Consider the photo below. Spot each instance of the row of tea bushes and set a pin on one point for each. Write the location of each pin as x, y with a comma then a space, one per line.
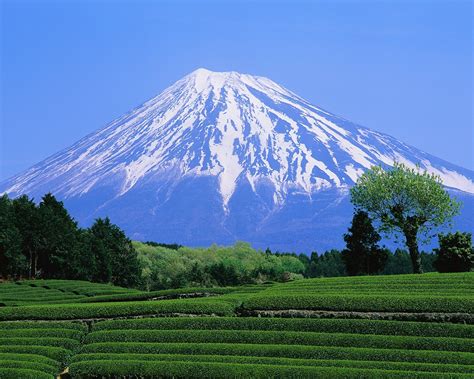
356, 326
259, 347
37, 349
207, 306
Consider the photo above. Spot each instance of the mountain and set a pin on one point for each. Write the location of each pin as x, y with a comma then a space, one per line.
223, 156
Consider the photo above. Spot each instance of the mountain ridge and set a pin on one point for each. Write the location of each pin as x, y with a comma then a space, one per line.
248, 144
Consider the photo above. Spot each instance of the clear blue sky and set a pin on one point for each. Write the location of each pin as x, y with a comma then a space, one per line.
70, 67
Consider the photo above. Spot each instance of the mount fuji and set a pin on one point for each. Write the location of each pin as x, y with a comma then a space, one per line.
224, 156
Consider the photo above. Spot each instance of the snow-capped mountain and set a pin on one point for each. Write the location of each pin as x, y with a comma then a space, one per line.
221, 156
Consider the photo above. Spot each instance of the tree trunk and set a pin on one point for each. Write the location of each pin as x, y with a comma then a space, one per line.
412, 244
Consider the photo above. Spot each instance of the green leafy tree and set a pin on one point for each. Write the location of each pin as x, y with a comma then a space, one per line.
27, 221
12, 261
404, 200
363, 254
455, 253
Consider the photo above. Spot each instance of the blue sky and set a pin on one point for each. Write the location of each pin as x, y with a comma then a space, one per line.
70, 67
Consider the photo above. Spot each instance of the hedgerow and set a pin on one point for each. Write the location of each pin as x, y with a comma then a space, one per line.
59, 354
157, 294
84, 311
286, 351
29, 358
284, 337
67, 343
58, 333
410, 366
28, 365
385, 303
42, 325
16, 373
77, 286
147, 369
426, 329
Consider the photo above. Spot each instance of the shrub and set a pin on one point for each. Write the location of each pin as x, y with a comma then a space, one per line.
42, 325
282, 337
97, 369
286, 351
363, 303
85, 311
28, 358
412, 366
455, 253
28, 365
66, 343
38, 333
171, 293
15, 373
408, 328
59, 354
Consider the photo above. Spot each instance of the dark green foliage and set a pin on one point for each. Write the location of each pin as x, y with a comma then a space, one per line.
115, 254
404, 366
362, 254
284, 337
398, 263
431, 292
12, 260
101, 310
27, 221
455, 253
287, 351
59, 239
364, 303
15, 373
28, 365
172, 246
56, 353
427, 261
45, 241
327, 265
154, 369
380, 327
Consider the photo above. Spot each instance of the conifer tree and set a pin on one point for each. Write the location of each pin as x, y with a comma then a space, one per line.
362, 254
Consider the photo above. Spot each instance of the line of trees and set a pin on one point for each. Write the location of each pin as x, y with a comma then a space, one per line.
44, 241
364, 256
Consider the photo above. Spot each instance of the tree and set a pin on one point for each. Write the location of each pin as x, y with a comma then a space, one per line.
27, 221
398, 263
59, 237
404, 200
362, 254
115, 256
12, 261
455, 253
327, 265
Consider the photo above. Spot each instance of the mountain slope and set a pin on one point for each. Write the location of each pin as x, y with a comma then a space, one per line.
223, 156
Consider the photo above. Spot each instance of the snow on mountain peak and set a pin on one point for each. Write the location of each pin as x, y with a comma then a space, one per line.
235, 127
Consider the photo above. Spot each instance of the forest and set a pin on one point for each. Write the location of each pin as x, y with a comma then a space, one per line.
43, 241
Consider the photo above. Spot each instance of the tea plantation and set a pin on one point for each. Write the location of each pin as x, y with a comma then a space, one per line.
408, 326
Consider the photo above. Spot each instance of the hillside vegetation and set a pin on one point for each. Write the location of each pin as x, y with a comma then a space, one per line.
378, 326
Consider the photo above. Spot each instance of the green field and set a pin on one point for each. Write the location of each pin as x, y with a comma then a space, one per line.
340, 327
